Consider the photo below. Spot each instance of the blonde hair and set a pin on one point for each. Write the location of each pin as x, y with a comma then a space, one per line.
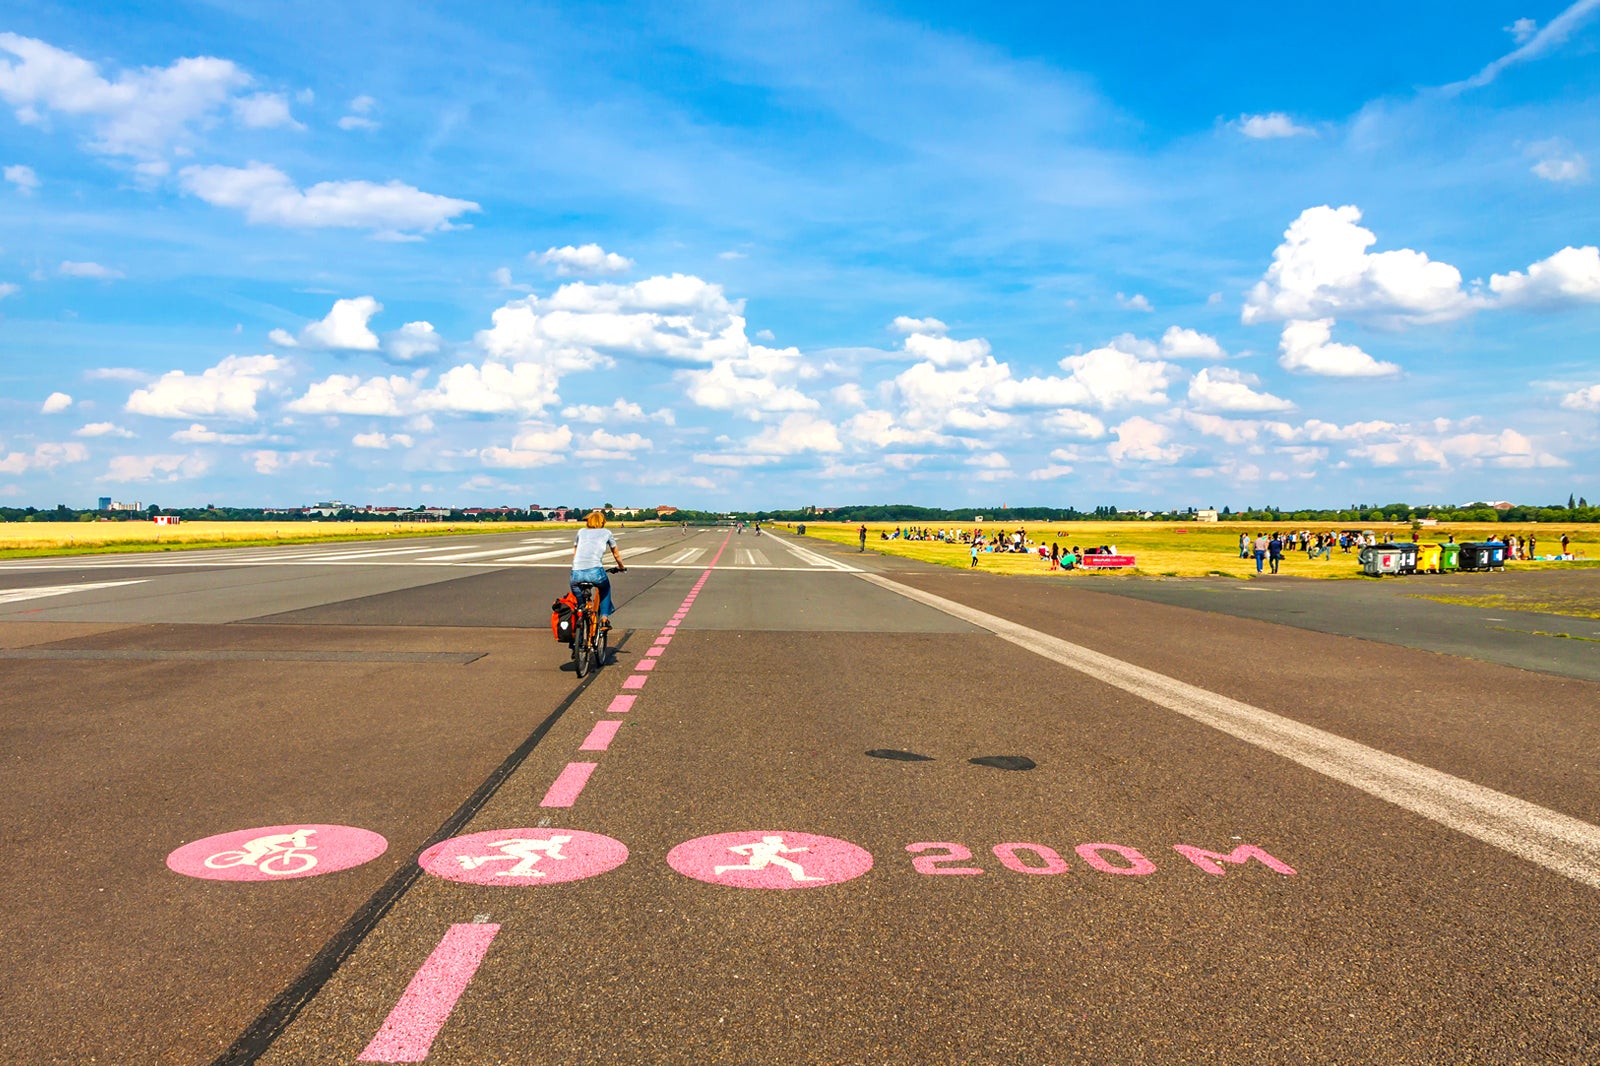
595, 519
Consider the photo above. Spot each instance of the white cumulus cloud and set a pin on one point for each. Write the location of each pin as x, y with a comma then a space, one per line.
1323, 270
156, 467
382, 440
55, 402
101, 429
227, 390
22, 177
1570, 276
584, 260
43, 457
1217, 388
536, 445
268, 196
1307, 347
139, 113
1273, 125
1587, 399
70, 269
260, 111
347, 394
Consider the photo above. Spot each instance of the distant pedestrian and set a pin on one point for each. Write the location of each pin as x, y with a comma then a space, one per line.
1564, 543
1275, 551
1261, 551
974, 565
1244, 545
861, 534
1055, 555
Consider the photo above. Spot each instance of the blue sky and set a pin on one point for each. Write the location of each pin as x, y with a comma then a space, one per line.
772, 255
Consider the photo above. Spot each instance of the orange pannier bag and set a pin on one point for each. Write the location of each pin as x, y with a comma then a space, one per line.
561, 613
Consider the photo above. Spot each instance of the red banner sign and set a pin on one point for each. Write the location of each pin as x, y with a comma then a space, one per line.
1106, 560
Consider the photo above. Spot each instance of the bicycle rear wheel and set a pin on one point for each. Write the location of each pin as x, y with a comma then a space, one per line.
602, 650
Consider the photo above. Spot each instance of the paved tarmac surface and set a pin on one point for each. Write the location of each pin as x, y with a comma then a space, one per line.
806, 814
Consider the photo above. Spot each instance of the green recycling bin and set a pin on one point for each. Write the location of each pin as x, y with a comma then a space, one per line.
1449, 558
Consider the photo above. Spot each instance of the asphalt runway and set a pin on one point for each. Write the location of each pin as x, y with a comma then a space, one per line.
820, 807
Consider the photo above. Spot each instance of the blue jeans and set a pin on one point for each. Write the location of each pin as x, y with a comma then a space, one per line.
595, 575
1260, 558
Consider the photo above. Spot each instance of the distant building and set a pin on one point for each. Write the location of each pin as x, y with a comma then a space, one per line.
663, 511
1208, 515
166, 519
105, 504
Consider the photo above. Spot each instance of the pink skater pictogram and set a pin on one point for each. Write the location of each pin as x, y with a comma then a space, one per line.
514, 857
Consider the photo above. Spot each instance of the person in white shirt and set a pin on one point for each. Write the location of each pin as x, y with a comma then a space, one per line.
589, 560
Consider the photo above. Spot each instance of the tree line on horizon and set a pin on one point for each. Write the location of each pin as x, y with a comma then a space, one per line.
1577, 509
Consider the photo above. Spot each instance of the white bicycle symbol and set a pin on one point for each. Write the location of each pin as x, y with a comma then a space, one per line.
279, 855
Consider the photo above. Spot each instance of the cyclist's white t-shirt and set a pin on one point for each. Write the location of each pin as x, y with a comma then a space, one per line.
592, 545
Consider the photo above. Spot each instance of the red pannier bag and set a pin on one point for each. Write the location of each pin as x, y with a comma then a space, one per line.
561, 613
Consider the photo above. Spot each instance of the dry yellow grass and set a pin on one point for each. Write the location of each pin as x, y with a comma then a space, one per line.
62, 538
1185, 549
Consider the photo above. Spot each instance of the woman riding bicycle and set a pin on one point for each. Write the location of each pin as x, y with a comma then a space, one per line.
589, 561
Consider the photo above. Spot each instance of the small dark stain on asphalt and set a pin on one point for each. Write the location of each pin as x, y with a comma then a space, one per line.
1005, 762
899, 756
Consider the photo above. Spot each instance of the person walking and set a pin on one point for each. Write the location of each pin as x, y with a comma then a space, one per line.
974, 565
1275, 551
861, 535
1261, 551
1244, 545
1564, 543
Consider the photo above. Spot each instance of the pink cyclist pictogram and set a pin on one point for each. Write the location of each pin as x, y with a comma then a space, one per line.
519, 857
277, 853
770, 859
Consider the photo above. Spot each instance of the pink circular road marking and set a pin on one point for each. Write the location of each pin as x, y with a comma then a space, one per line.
518, 858
277, 852
768, 858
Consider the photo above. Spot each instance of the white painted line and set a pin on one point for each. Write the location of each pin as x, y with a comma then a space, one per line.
814, 558
18, 595
685, 557
1553, 840
536, 556
510, 550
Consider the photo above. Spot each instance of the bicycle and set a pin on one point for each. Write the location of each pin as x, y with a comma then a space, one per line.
589, 637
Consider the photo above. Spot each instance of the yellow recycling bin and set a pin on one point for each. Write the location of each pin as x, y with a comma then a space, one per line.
1428, 558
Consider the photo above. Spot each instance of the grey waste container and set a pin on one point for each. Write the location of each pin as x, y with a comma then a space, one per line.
1380, 559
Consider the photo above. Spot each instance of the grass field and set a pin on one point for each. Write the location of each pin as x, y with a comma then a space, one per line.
1172, 549
24, 539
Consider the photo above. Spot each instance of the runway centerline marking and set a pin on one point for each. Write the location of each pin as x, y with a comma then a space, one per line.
42, 591
1558, 842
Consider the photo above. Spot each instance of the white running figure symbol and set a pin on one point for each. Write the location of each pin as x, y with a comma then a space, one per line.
769, 851
277, 854
526, 852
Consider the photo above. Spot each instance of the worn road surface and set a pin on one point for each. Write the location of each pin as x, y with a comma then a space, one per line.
349, 803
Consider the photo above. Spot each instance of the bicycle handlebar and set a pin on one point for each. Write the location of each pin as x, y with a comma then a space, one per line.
615, 569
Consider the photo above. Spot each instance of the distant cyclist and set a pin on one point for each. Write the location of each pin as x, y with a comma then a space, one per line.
589, 561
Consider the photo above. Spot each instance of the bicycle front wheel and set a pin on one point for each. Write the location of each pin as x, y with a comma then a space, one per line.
581, 649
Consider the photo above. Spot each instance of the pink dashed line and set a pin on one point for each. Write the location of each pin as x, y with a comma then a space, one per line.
568, 784
655, 652
646, 665
409, 1031
667, 631
636, 681
663, 641
601, 735
621, 704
